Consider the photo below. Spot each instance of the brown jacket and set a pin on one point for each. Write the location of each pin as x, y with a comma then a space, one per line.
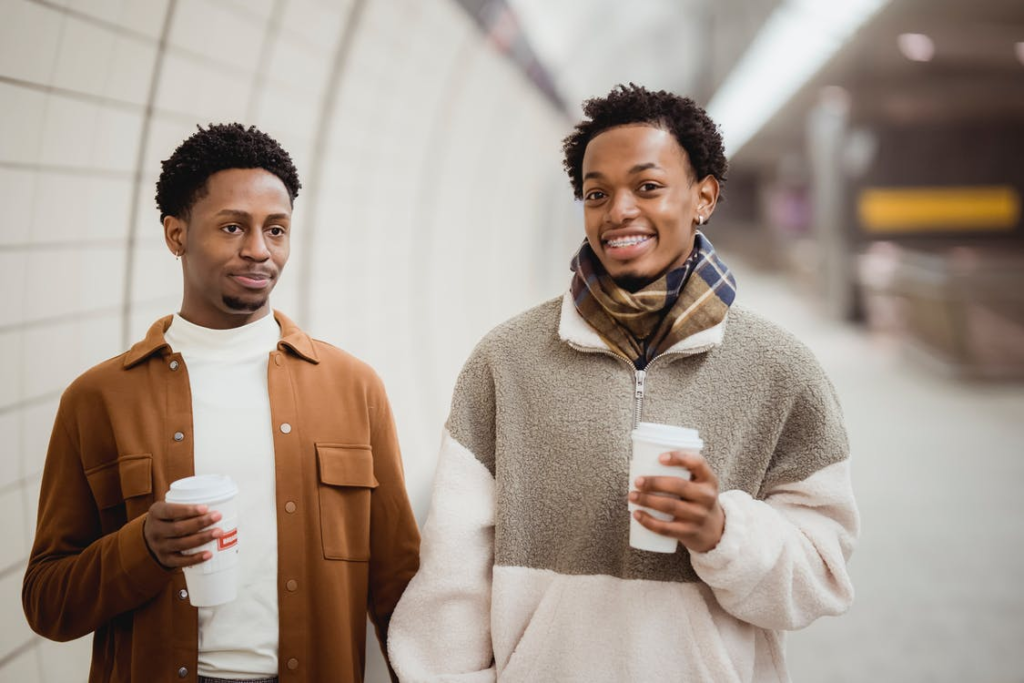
347, 539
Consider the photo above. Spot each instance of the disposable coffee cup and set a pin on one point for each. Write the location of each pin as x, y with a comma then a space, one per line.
650, 440
215, 581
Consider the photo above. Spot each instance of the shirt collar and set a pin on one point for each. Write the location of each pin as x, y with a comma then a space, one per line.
292, 338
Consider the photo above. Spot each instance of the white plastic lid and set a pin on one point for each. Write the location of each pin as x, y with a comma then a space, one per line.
669, 435
202, 489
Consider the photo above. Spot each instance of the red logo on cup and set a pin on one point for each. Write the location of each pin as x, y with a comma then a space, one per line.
228, 540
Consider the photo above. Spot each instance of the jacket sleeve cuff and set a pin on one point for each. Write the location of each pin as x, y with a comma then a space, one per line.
717, 566
144, 573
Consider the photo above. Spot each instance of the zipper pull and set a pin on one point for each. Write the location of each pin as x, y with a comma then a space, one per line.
641, 375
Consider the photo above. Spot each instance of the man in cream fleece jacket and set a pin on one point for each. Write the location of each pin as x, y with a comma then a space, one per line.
526, 569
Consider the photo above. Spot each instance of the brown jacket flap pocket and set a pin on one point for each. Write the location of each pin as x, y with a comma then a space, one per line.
136, 475
346, 465
105, 484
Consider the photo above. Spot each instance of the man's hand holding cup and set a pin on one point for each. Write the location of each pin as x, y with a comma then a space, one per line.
697, 519
171, 529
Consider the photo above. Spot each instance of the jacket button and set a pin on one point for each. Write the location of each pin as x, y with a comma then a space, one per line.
182, 672
292, 585
182, 594
174, 365
293, 664
178, 436
277, 359
286, 428
289, 506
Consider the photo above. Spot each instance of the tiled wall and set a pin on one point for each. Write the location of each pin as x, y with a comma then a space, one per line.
434, 205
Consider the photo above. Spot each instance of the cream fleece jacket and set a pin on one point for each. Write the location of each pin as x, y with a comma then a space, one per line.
526, 570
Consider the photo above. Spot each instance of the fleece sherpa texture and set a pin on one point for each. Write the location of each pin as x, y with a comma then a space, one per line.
527, 573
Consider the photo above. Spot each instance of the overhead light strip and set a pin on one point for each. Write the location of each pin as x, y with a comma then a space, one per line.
798, 39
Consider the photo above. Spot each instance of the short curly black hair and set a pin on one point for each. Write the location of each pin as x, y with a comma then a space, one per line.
685, 119
217, 148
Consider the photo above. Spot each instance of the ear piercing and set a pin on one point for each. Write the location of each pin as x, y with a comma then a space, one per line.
700, 219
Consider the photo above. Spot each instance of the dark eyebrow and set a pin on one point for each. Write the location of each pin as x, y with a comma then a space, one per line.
245, 214
643, 167
233, 212
633, 171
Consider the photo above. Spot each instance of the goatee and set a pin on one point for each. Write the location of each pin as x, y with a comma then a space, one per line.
236, 304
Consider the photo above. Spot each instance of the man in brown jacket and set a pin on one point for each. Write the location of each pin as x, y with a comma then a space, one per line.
224, 386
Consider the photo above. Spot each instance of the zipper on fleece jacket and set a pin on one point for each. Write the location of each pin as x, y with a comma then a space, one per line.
639, 377
638, 396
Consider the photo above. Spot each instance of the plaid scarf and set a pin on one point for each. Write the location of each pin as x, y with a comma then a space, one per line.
640, 325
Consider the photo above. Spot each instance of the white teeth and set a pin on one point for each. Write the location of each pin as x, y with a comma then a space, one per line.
628, 241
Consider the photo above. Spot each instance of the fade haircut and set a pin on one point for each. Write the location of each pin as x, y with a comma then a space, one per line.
688, 123
217, 148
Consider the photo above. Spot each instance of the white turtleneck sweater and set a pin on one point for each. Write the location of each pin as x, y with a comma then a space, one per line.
227, 371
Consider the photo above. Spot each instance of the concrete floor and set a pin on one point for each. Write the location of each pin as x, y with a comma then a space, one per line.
938, 468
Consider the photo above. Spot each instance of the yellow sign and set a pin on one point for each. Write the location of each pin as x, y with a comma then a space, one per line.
939, 209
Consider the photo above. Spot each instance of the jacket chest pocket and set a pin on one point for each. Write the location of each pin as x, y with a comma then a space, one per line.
345, 491
126, 481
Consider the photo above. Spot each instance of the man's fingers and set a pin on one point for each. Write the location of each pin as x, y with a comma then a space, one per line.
698, 466
681, 510
180, 544
703, 493
172, 559
171, 512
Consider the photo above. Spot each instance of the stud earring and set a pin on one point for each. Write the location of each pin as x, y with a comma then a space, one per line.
177, 255
700, 219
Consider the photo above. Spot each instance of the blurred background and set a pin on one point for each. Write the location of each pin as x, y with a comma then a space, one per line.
873, 208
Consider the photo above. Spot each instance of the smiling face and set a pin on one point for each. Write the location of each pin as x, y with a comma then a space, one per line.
641, 202
233, 247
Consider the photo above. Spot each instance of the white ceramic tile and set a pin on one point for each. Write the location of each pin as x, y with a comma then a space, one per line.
155, 274
29, 39
10, 427
104, 10
319, 23
13, 543
83, 57
11, 345
24, 667
101, 276
12, 284
108, 212
61, 201
130, 71
116, 139
15, 632
224, 97
50, 283
148, 228
37, 425
294, 66
181, 80
214, 31
66, 661
17, 194
99, 339
165, 134
68, 131
144, 16
147, 313
251, 8
49, 368
21, 123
